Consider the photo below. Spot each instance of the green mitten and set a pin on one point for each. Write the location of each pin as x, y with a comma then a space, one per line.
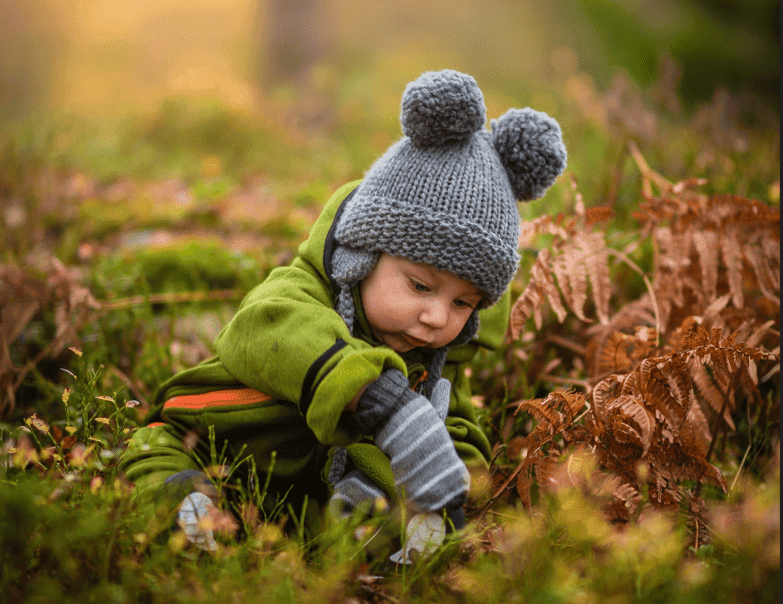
356, 492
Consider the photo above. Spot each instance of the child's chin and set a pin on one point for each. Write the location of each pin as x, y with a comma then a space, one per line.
399, 344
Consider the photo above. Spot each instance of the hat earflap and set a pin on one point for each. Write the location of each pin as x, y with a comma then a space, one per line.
531, 149
349, 266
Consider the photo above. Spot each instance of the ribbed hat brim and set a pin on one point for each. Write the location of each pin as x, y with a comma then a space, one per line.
382, 224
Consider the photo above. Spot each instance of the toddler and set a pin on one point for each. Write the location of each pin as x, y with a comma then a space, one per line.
341, 377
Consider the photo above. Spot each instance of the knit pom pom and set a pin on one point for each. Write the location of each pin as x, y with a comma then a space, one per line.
531, 148
440, 107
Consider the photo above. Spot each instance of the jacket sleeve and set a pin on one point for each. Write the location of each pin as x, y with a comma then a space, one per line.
287, 341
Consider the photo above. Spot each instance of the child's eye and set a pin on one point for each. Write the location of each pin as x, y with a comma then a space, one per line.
463, 304
419, 287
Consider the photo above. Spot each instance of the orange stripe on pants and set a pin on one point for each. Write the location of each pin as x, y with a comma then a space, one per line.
219, 398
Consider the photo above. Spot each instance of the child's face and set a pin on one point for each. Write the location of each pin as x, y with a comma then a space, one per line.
409, 305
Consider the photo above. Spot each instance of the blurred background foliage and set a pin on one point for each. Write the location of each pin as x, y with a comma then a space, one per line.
310, 90
115, 56
138, 137
168, 146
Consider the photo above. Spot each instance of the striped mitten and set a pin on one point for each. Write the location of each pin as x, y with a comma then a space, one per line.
427, 470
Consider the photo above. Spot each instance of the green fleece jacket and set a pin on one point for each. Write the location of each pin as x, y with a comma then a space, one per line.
287, 342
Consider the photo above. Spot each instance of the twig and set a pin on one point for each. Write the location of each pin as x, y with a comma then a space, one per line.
33, 363
170, 298
739, 470
647, 283
108, 306
717, 423
559, 380
135, 387
648, 173
501, 490
581, 415
601, 376
617, 177
566, 343
726, 395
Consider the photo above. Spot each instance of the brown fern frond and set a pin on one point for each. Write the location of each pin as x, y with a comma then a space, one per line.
596, 262
707, 391
766, 278
542, 410
731, 252
570, 401
603, 392
715, 284
545, 469
571, 276
542, 274
524, 482
527, 305
706, 244
598, 214
658, 394
630, 422
615, 354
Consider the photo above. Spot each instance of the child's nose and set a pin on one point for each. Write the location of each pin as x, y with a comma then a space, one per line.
435, 314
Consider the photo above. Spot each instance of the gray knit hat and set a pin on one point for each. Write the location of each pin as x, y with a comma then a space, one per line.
446, 193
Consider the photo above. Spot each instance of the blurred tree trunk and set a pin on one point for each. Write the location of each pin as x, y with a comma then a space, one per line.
292, 37
30, 46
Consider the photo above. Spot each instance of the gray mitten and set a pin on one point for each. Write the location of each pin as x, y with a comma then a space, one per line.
406, 427
355, 491
441, 395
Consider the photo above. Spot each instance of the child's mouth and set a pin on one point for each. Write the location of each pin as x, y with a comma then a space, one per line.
415, 341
